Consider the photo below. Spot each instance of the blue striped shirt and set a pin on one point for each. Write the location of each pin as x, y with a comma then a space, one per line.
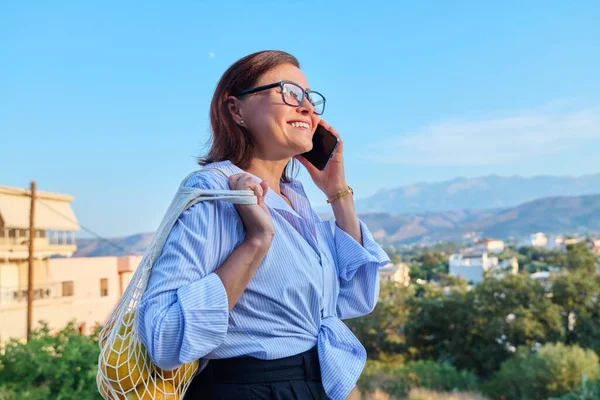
313, 276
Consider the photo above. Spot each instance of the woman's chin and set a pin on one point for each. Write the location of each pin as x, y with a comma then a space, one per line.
300, 150
307, 147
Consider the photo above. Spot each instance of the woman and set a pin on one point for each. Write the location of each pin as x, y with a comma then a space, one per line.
260, 290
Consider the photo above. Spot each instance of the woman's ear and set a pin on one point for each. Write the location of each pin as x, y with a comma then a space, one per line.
234, 105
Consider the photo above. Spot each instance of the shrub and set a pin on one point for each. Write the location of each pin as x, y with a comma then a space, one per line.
50, 366
589, 390
554, 370
400, 380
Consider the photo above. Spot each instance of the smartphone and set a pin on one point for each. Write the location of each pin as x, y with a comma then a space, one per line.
324, 145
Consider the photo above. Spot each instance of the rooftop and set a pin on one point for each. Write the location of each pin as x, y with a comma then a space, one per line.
52, 210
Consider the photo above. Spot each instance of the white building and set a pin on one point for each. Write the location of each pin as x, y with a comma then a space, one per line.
538, 239
542, 277
474, 266
494, 246
555, 242
395, 273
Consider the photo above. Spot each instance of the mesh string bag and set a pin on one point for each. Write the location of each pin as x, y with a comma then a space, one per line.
125, 370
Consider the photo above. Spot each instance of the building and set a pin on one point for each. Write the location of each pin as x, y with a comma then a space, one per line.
538, 239
473, 266
55, 225
493, 246
84, 289
556, 242
593, 245
399, 273
64, 288
543, 277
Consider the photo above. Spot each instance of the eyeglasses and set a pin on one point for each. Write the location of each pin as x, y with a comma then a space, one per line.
293, 95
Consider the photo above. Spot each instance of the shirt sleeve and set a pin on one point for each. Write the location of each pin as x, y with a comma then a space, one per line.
358, 272
183, 314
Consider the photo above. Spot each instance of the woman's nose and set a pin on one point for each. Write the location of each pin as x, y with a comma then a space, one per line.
306, 108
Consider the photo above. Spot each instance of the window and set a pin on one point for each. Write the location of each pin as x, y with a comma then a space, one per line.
103, 287
67, 288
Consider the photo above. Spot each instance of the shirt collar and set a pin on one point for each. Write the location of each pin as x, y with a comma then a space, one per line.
273, 200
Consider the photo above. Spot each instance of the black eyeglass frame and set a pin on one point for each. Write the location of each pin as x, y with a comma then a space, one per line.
305, 93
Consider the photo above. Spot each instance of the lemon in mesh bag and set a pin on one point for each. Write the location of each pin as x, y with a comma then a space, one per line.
178, 376
164, 384
125, 370
125, 362
155, 390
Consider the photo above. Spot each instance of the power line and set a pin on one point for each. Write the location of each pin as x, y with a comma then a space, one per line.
86, 229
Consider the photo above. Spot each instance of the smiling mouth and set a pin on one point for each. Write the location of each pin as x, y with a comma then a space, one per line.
301, 125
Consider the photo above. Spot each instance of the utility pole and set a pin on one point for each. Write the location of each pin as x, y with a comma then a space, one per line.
31, 261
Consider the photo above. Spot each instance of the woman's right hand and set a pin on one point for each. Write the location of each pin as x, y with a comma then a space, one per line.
256, 217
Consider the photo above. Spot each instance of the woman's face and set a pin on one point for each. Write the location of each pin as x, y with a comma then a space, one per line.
280, 131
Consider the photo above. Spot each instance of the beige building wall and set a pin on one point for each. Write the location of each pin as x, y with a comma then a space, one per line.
86, 303
40, 272
399, 273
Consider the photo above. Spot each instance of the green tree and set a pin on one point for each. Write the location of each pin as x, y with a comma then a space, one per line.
578, 295
579, 258
442, 377
429, 266
439, 326
399, 380
380, 332
396, 258
554, 370
480, 329
508, 313
589, 390
534, 259
51, 366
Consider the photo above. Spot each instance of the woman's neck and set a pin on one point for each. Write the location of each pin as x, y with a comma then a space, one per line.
269, 171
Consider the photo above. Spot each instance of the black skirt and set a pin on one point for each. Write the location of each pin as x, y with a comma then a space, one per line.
247, 378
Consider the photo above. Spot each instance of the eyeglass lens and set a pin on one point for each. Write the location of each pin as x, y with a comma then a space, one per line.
293, 95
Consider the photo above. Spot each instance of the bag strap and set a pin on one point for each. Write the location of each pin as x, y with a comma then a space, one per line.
224, 173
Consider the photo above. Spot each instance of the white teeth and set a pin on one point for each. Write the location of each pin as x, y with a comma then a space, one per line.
300, 125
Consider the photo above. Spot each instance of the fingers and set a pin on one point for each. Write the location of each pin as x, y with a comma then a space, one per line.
329, 127
265, 188
233, 179
246, 182
325, 125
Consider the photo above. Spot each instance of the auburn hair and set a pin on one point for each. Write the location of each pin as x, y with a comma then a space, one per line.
230, 141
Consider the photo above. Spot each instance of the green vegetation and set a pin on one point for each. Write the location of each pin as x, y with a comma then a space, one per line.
509, 338
400, 380
554, 370
505, 339
59, 366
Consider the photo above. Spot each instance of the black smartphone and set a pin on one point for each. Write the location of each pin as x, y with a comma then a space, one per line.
324, 145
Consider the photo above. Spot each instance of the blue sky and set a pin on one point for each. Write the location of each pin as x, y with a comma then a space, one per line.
108, 101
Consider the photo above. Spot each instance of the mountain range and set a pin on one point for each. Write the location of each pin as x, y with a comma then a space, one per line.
552, 215
488, 192
493, 206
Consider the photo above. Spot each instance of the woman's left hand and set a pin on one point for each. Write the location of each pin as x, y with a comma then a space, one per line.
332, 180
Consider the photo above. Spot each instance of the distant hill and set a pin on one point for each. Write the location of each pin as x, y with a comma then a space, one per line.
129, 245
553, 215
488, 192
